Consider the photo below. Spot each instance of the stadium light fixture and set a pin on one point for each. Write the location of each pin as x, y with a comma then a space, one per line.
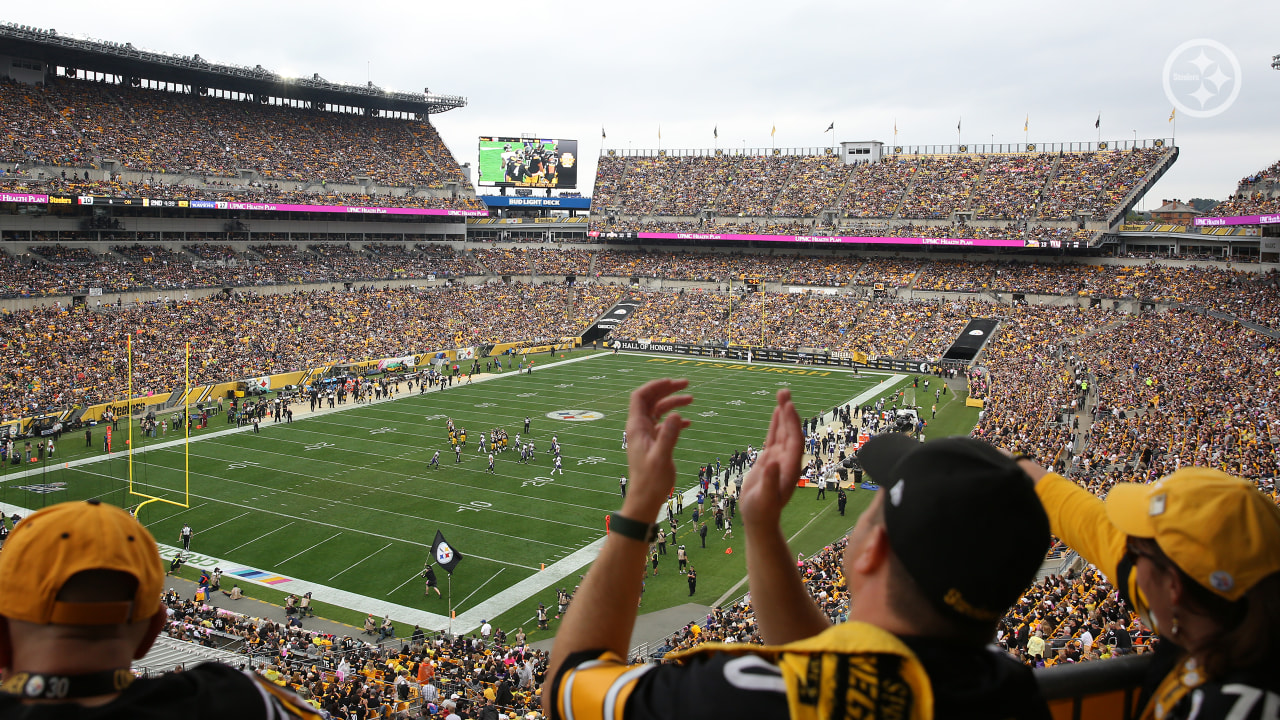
1275, 62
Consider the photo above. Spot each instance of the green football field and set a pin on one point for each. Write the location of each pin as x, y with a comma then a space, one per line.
347, 500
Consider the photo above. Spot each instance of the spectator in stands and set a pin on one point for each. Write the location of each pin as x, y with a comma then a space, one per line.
918, 624
1197, 554
79, 602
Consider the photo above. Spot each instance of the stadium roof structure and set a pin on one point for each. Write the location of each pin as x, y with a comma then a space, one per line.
125, 60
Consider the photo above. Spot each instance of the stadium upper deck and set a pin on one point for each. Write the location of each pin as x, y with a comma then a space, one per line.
1037, 197
75, 123
81, 113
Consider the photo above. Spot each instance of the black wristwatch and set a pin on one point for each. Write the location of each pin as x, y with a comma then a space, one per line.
634, 529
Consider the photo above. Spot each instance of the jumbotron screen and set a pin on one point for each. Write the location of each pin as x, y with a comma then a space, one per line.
528, 162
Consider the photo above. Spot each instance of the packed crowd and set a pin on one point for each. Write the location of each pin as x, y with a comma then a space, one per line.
1198, 400
817, 182
60, 356
1257, 202
212, 252
1256, 194
846, 228
76, 123
1097, 182
954, 276
942, 184
727, 267
1100, 396
74, 270
523, 261
993, 187
1010, 187
887, 326
1270, 173
138, 252
841, 323
823, 579
419, 674
222, 191
1149, 405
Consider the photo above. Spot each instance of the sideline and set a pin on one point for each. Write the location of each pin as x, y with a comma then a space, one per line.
465, 622
856, 401
298, 414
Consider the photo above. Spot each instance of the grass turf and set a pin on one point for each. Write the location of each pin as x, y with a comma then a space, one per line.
349, 500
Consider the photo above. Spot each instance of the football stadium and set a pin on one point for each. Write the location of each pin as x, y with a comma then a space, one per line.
370, 392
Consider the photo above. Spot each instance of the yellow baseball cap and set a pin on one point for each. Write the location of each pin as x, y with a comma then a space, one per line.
1219, 529
49, 547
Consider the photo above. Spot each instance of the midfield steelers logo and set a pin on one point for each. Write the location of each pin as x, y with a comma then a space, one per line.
575, 415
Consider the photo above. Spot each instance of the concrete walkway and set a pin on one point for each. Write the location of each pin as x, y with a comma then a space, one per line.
654, 627
255, 608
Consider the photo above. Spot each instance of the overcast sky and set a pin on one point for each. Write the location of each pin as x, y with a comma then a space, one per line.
567, 69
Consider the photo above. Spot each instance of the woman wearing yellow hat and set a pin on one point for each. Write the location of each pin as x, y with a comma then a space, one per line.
1197, 556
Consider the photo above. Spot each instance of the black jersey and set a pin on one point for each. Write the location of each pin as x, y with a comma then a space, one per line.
850, 671
209, 690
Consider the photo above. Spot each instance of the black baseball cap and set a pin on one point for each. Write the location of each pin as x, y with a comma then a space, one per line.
963, 519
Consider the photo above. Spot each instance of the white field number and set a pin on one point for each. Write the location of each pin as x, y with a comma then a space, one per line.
475, 506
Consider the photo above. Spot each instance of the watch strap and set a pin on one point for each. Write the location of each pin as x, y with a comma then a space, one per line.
634, 529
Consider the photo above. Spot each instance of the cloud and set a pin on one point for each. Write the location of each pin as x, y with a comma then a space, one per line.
565, 69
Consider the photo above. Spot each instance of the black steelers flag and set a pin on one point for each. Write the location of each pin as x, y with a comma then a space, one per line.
444, 554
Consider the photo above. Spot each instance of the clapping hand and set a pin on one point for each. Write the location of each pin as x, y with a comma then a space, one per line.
772, 480
651, 438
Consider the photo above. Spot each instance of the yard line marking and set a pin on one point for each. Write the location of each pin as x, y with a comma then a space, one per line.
120, 454
375, 552
350, 529
383, 510
504, 600
311, 416
313, 547
415, 576
432, 478
359, 416
186, 510
729, 593
224, 522
473, 592
269, 532
872, 392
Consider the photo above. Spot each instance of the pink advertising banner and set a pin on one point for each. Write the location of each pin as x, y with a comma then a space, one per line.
1236, 220
956, 242
281, 207
23, 198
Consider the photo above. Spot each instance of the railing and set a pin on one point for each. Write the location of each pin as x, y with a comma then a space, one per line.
1104, 689
891, 149
127, 50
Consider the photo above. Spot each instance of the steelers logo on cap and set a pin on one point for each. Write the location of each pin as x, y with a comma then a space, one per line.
895, 492
1222, 581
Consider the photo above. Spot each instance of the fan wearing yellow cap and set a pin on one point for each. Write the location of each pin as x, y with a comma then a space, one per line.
1197, 556
80, 586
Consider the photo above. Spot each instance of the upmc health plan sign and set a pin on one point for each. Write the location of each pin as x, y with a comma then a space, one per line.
1236, 220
